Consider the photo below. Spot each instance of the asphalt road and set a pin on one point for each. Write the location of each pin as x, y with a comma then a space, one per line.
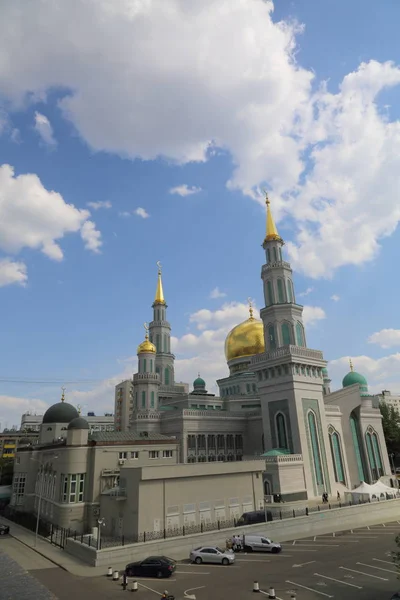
352, 566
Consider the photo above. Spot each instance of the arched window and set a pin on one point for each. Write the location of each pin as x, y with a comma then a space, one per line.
371, 457
374, 453
152, 400
158, 347
281, 292
377, 452
285, 334
281, 430
289, 290
267, 488
271, 337
337, 457
166, 376
312, 424
151, 365
269, 255
357, 446
143, 399
136, 402
299, 334
144, 365
275, 255
270, 293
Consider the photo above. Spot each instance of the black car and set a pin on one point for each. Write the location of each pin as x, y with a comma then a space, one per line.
256, 516
153, 566
4, 529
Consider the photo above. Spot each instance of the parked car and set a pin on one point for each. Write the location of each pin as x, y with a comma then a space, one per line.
153, 566
253, 517
4, 529
395, 596
210, 554
259, 543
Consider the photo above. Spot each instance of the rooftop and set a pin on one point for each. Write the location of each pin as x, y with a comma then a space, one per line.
128, 436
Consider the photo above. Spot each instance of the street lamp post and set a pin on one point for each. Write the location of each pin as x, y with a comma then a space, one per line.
41, 463
393, 467
100, 523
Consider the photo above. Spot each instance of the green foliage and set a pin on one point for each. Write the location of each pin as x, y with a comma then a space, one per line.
391, 428
6, 470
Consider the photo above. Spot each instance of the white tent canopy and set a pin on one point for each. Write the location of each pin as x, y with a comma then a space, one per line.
375, 491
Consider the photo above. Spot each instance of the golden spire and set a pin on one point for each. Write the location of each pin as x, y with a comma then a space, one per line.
351, 365
63, 394
146, 346
271, 230
79, 409
250, 301
159, 298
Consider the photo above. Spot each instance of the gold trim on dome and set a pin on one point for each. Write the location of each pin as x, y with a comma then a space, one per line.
246, 339
146, 346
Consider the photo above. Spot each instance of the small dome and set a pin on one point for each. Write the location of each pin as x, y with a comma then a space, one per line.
324, 371
62, 412
146, 346
246, 339
199, 382
78, 423
354, 377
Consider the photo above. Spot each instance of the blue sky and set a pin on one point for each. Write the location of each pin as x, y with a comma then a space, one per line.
219, 100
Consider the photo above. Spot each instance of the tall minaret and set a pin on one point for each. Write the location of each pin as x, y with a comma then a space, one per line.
145, 389
160, 335
290, 376
283, 322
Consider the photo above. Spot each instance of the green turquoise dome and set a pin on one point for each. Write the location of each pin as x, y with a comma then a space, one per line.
62, 412
352, 378
277, 452
324, 371
199, 382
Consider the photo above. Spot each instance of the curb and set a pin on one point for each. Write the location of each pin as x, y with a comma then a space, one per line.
41, 554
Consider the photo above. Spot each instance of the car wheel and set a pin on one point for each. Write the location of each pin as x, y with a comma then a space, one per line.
274, 550
225, 561
198, 560
248, 549
159, 574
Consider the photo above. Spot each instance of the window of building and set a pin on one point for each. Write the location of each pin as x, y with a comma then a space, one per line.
270, 294
152, 400
135, 454
316, 453
299, 334
281, 293
239, 442
269, 255
286, 369
337, 458
144, 365
230, 444
81, 487
72, 488
166, 376
122, 455
285, 334
271, 337
281, 430
154, 454
275, 254
18, 490
357, 446
167, 453
248, 388
143, 399
278, 371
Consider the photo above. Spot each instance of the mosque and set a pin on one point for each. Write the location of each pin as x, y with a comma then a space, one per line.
275, 428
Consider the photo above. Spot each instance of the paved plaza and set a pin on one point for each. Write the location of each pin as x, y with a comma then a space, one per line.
352, 565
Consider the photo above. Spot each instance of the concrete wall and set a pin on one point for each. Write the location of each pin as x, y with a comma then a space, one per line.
340, 519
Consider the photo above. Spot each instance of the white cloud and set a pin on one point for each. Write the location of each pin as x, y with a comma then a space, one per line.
306, 293
251, 99
125, 214
12, 272
386, 338
335, 298
141, 212
36, 218
184, 190
12, 407
44, 129
91, 237
313, 314
100, 204
228, 315
216, 293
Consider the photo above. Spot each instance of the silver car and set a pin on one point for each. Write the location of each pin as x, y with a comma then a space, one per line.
211, 554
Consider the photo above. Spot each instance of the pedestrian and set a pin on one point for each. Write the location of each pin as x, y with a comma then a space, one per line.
238, 543
338, 496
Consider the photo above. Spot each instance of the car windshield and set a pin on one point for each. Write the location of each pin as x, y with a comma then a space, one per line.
219, 550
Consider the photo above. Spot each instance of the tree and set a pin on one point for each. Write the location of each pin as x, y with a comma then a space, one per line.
391, 428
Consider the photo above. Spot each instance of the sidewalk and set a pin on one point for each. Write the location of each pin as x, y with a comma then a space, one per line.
56, 555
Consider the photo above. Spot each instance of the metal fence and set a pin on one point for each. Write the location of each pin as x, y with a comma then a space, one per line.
276, 514
50, 532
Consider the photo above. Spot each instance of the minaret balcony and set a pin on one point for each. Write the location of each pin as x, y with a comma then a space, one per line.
146, 377
275, 265
294, 351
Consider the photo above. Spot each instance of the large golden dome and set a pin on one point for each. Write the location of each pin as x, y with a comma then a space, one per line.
246, 339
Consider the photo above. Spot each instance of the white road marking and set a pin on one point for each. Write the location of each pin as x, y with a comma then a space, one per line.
309, 589
362, 573
302, 549
379, 568
267, 594
201, 565
320, 545
388, 562
306, 563
251, 560
149, 588
338, 580
193, 572
192, 589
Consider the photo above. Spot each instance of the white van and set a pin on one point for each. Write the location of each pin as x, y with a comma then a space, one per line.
259, 543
